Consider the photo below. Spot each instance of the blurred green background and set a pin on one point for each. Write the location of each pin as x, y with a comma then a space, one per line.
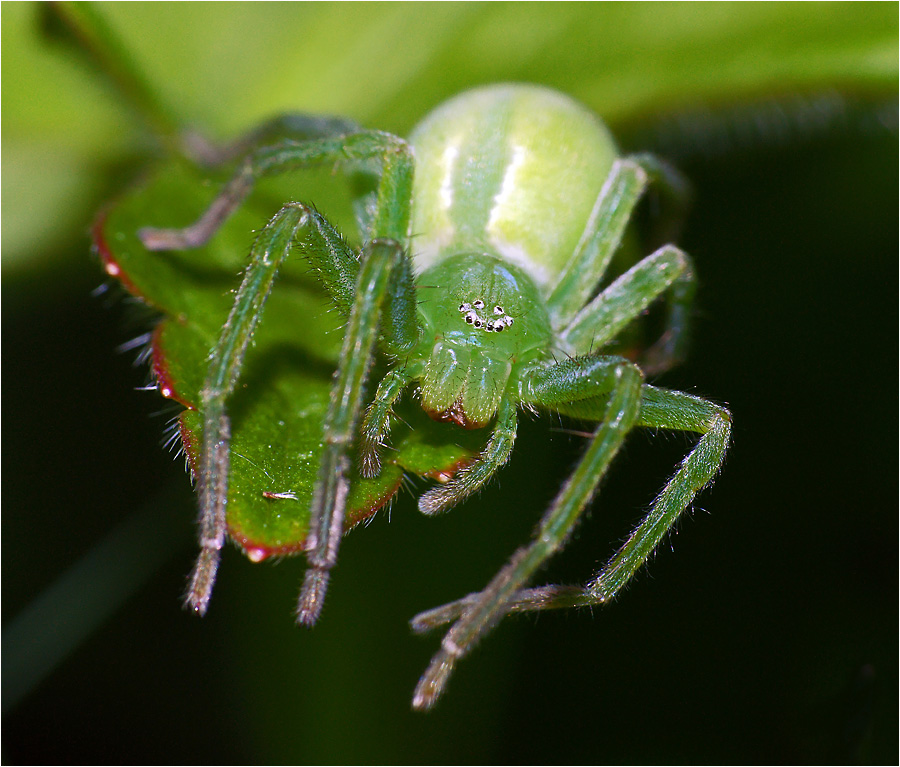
765, 631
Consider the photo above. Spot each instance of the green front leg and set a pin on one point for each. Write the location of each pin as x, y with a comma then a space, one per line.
376, 424
622, 381
381, 259
383, 290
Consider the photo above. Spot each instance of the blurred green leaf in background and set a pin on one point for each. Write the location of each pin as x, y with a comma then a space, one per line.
770, 635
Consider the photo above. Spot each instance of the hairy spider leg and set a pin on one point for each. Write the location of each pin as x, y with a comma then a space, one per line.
674, 195
376, 423
601, 238
291, 128
627, 181
385, 306
665, 409
628, 296
582, 377
474, 476
341, 273
381, 259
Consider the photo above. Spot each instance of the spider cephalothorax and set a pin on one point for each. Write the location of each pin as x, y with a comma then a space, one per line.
514, 201
471, 346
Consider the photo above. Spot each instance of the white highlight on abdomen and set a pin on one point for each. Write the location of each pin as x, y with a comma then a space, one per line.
446, 189
508, 188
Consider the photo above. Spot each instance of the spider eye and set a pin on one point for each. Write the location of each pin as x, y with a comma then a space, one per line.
465, 307
477, 322
470, 317
479, 304
498, 310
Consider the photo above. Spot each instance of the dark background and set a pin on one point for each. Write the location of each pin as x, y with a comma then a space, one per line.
764, 631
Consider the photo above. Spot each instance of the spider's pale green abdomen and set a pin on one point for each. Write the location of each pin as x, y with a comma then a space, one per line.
510, 170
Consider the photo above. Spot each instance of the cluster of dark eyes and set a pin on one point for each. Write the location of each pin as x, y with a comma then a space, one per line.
495, 324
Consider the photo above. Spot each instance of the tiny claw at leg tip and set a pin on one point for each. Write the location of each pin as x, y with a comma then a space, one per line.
312, 596
432, 683
197, 606
422, 701
416, 627
148, 238
307, 617
308, 610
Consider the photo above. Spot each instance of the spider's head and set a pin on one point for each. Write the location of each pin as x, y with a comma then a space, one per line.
483, 318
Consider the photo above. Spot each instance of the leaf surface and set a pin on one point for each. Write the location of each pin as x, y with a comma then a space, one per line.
279, 406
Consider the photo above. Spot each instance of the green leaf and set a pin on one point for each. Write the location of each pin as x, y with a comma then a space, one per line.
278, 410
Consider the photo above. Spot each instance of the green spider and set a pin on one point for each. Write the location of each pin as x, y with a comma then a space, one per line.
518, 203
